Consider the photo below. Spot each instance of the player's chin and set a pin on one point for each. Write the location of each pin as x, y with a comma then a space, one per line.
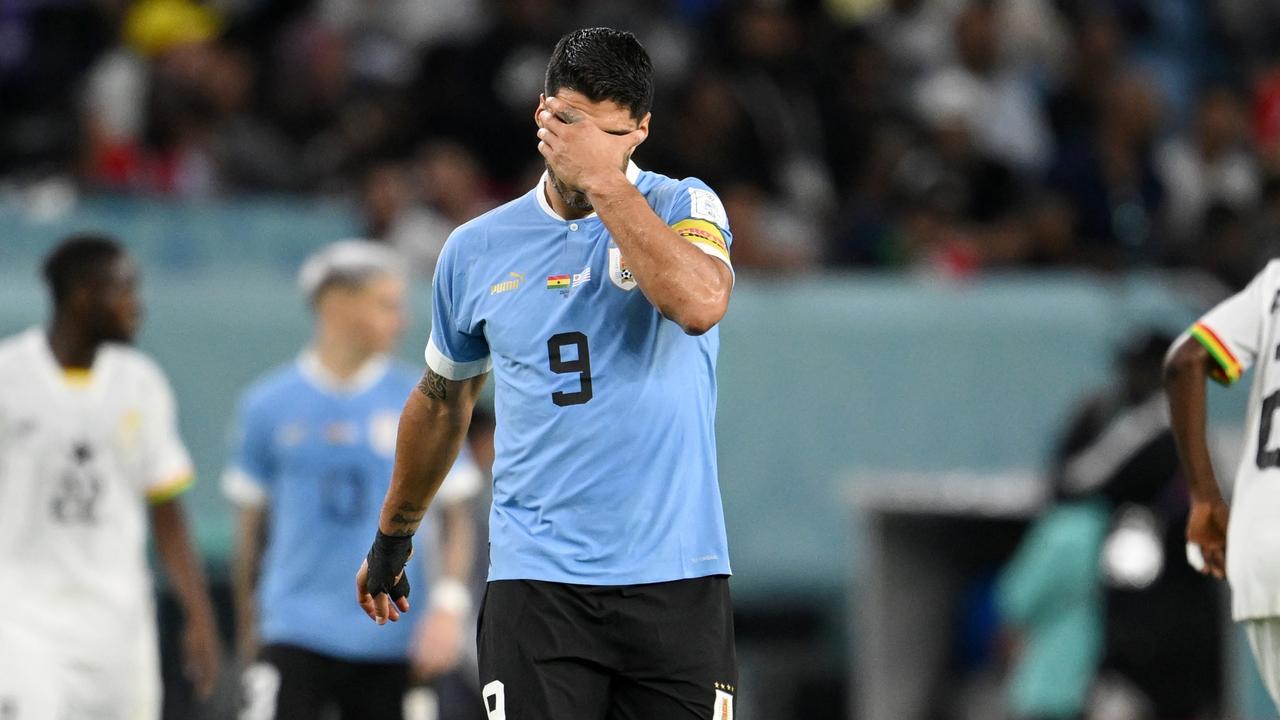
577, 200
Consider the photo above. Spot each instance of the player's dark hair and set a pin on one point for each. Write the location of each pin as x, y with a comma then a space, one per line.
76, 260
603, 64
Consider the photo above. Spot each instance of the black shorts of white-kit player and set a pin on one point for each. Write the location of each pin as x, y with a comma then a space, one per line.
557, 651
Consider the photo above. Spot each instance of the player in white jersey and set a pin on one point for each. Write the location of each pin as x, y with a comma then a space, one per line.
89, 452
1241, 544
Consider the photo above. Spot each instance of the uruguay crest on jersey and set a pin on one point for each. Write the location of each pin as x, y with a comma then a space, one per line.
619, 273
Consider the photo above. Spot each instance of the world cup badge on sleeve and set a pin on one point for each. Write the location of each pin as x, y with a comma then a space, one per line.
619, 273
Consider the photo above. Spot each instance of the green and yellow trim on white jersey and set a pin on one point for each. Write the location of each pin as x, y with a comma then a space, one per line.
171, 488
1227, 369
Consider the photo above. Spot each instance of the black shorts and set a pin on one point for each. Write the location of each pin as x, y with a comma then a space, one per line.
553, 651
291, 683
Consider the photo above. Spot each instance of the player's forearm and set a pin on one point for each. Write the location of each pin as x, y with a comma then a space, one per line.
182, 564
685, 284
430, 436
1186, 373
244, 572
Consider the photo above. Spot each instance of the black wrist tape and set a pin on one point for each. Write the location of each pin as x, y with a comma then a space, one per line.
387, 559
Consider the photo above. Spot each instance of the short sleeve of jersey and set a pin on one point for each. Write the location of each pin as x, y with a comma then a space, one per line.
168, 471
463, 481
246, 481
1232, 332
456, 350
697, 215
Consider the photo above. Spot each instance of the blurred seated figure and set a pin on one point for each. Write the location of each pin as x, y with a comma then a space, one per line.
1227, 245
1097, 587
914, 32
1210, 166
768, 236
1107, 172
1009, 124
145, 115
416, 210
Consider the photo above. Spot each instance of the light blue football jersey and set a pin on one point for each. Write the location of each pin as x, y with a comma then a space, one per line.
318, 456
606, 456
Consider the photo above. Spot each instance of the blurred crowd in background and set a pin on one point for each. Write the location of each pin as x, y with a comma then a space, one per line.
956, 136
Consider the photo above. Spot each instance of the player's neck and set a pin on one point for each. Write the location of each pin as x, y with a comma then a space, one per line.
339, 358
558, 204
72, 346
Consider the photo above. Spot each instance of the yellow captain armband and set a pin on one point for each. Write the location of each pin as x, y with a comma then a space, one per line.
705, 235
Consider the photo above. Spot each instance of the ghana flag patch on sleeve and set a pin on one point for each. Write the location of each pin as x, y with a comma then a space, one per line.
1228, 368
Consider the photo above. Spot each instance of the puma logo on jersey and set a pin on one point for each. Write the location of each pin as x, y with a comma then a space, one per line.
507, 285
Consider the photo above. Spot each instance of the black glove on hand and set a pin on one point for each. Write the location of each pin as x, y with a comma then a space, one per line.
386, 560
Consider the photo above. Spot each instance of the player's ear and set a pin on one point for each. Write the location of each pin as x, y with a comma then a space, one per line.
643, 129
542, 105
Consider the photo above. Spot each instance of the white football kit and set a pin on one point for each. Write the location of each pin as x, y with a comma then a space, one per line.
80, 456
1240, 333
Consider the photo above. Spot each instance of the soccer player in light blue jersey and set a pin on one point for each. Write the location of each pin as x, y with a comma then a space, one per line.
594, 300
310, 465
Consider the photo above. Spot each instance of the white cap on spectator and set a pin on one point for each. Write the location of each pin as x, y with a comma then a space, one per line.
348, 262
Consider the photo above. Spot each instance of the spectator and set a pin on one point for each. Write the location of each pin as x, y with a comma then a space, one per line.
145, 116
1075, 104
46, 50
916, 34
856, 103
250, 154
1006, 118
766, 235
451, 189
387, 199
1109, 177
712, 138
772, 75
483, 89
988, 103
1224, 248
1209, 166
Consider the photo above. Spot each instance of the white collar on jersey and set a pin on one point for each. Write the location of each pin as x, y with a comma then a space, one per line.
633, 174
366, 377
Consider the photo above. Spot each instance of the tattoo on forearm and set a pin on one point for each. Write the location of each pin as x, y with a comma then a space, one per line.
407, 517
432, 385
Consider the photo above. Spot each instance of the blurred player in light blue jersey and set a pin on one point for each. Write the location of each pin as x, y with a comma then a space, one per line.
310, 465
594, 299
